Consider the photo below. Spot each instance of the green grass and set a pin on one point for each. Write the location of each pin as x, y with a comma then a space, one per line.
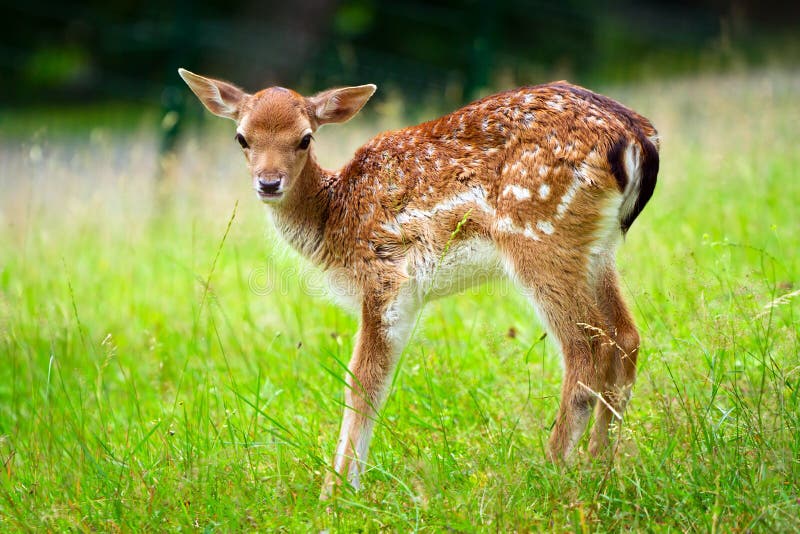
165, 365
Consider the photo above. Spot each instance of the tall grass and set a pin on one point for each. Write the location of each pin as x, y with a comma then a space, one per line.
167, 365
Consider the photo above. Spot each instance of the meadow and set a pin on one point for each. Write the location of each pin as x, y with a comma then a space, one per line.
166, 364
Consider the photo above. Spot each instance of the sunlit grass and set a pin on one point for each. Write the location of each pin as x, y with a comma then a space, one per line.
164, 370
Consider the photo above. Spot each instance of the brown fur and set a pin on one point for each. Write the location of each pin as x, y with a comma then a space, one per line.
546, 177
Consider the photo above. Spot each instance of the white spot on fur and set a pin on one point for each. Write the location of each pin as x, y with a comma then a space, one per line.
529, 233
544, 191
506, 225
520, 193
567, 197
555, 103
546, 227
527, 119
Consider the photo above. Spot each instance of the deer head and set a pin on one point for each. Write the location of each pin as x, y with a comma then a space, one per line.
275, 126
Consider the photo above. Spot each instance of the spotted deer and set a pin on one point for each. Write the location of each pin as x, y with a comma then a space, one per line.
538, 183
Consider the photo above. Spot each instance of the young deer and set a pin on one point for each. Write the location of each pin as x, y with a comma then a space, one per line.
538, 183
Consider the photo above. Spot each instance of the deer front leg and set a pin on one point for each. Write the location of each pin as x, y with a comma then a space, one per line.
385, 326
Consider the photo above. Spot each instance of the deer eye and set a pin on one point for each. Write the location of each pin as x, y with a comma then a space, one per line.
242, 141
305, 142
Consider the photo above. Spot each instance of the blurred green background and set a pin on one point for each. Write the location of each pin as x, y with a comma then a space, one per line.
113, 64
55, 52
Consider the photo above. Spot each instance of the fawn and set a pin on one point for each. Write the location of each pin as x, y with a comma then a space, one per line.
538, 183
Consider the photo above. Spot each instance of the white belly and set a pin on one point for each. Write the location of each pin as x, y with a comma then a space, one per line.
464, 265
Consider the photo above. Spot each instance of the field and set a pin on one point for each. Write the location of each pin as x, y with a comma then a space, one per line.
168, 365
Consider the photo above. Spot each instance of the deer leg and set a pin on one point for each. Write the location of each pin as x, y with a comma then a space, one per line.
623, 338
586, 362
566, 303
384, 330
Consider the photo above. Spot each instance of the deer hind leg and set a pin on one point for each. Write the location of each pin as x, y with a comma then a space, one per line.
621, 334
385, 327
565, 300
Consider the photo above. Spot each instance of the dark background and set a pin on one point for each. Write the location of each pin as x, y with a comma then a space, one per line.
56, 52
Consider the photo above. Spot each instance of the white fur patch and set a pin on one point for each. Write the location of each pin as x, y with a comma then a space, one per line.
568, 197
467, 263
606, 236
529, 233
475, 195
545, 227
507, 226
527, 119
359, 441
399, 317
519, 192
633, 160
555, 103
544, 191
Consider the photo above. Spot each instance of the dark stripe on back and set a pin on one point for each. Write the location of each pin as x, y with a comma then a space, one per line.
615, 160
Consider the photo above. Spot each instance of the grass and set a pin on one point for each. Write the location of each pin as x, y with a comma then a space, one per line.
167, 366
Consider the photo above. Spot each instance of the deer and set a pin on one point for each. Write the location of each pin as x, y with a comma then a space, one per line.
539, 184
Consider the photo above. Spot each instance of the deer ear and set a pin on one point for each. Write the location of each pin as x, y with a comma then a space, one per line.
220, 98
339, 105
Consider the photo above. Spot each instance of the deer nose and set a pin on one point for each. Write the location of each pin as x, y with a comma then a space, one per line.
269, 186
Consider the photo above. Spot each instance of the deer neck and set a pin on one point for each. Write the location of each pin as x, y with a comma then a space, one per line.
302, 216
